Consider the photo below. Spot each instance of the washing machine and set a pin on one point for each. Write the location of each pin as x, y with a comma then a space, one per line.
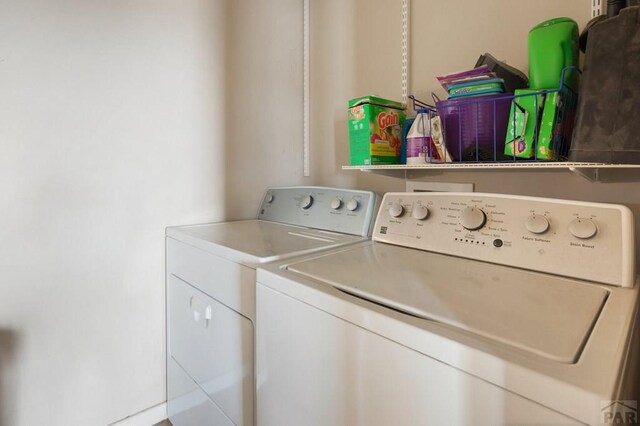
464, 309
210, 278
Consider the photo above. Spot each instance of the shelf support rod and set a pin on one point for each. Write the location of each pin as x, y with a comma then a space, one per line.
406, 20
305, 90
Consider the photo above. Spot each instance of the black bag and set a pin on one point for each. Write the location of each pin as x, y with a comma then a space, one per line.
607, 126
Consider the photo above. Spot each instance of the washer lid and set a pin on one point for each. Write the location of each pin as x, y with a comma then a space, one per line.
543, 314
251, 242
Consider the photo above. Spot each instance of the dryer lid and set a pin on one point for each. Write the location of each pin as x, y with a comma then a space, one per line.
251, 242
539, 313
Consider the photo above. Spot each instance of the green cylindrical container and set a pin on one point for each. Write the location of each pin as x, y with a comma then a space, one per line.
553, 45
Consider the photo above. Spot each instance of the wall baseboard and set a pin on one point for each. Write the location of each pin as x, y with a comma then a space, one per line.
147, 417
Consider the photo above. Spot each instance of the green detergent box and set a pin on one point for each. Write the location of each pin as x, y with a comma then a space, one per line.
531, 113
522, 126
375, 131
547, 149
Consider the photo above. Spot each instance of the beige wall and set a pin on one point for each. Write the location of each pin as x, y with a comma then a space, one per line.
356, 51
117, 119
120, 117
263, 113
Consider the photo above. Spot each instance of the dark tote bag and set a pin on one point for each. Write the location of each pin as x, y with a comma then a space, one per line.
608, 117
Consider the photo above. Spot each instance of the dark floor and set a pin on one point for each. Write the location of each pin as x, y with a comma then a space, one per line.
163, 423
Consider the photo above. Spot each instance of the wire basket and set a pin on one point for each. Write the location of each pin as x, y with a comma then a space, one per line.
528, 126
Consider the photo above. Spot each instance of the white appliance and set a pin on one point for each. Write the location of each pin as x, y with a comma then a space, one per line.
211, 293
465, 309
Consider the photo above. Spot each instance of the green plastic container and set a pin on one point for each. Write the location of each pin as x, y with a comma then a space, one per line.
553, 45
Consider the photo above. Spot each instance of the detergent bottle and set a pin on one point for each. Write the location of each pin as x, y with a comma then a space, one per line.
553, 45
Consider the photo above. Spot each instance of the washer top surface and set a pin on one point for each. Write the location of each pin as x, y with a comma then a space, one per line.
251, 242
542, 314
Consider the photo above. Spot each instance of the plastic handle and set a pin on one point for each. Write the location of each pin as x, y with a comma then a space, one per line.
421, 127
200, 309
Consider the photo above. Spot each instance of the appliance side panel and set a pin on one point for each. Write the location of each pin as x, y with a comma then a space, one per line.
210, 337
214, 346
316, 369
187, 404
229, 283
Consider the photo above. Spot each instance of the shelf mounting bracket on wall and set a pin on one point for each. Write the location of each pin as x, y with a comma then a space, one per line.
596, 8
305, 90
406, 20
592, 175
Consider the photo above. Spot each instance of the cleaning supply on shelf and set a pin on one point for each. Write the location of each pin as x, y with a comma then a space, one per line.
512, 78
474, 82
375, 130
553, 45
405, 130
523, 126
425, 143
419, 139
475, 88
536, 126
474, 127
549, 143
437, 138
478, 73
607, 126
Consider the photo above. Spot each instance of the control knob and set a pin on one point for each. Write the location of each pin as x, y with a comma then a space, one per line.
269, 198
582, 228
352, 204
420, 212
306, 202
396, 210
472, 218
336, 203
537, 224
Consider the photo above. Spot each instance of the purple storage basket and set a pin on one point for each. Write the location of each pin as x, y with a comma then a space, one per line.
475, 127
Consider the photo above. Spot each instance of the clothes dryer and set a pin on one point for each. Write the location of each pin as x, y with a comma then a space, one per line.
211, 293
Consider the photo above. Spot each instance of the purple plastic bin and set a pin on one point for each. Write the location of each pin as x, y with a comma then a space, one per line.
475, 127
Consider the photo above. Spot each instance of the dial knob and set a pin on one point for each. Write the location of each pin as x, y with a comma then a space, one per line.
396, 210
420, 212
582, 228
269, 198
472, 218
352, 204
336, 203
537, 224
306, 202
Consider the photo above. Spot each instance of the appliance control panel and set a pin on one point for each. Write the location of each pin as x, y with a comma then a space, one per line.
590, 241
339, 210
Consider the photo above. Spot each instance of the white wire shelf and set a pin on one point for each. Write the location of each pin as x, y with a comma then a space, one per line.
600, 172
